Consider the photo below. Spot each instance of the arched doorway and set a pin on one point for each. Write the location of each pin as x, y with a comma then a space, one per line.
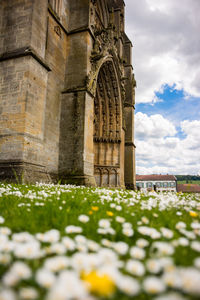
107, 127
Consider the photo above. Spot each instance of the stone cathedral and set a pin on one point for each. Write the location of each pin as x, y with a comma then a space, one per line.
66, 93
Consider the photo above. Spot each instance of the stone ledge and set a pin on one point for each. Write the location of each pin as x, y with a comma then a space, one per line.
27, 135
107, 166
78, 90
130, 144
127, 104
22, 52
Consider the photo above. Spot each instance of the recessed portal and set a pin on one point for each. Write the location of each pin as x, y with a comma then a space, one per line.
107, 128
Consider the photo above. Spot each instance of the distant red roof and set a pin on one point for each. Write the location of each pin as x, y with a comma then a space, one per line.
155, 177
188, 188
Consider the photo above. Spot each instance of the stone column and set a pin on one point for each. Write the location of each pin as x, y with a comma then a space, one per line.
76, 159
129, 167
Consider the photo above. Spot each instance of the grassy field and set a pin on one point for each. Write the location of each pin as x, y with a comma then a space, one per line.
189, 182
65, 242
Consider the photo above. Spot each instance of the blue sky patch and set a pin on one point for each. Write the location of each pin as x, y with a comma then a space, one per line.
173, 106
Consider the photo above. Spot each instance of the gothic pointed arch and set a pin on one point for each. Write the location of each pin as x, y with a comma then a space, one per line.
107, 126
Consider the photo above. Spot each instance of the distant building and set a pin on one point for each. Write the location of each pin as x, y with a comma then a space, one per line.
158, 183
188, 188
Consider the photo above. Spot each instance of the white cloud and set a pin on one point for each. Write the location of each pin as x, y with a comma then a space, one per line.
154, 126
165, 35
164, 152
166, 51
191, 128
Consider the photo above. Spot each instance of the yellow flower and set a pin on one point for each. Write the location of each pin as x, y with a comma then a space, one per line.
109, 213
95, 208
193, 214
90, 212
99, 284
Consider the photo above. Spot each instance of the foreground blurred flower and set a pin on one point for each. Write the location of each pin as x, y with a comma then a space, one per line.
153, 285
137, 252
180, 225
104, 223
142, 243
195, 245
5, 259
45, 278
23, 237
106, 243
29, 250
185, 279
145, 220
95, 208
152, 232
99, 284
68, 286
5, 231
51, 236
93, 246
154, 265
162, 248
7, 294
135, 267
128, 232
57, 263
83, 218
68, 243
17, 272
167, 233
2, 220
182, 241
109, 213
195, 225
28, 294
121, 248
73, 229
193, 214
118, 207
197, 262
120, 219
128, 285
190, 278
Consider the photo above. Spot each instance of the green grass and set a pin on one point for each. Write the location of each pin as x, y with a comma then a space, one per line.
38, 209
188, 182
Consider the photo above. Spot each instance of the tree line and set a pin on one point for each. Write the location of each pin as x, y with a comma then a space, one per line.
188, 178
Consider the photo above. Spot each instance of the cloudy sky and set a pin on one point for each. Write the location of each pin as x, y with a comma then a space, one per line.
166, 59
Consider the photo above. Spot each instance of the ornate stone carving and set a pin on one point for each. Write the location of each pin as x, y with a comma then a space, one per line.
58, 31
104, 48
